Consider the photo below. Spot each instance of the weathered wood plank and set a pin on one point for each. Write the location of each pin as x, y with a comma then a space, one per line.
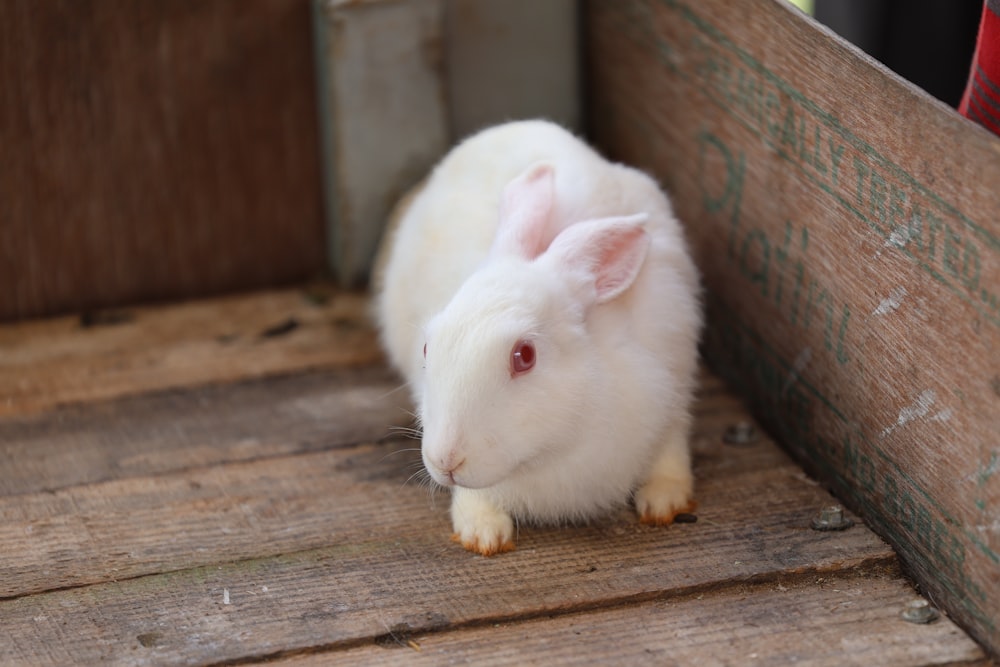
845, 224
838, 620
139, 525
155, 150
171, 431
362, 553
48, 363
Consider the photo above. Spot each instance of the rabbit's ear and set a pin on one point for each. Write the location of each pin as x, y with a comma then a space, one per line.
605, 255
525, 212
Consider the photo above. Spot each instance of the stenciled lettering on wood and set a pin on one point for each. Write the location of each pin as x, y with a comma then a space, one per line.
851, 258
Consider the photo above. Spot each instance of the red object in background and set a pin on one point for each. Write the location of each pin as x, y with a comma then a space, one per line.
981, 101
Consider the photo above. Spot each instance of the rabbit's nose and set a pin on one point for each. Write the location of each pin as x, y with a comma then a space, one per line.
451, 473
445, 462
450, 464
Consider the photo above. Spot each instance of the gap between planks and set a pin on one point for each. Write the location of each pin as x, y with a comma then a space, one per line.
248, 509
48, 363
172, 431
846, 616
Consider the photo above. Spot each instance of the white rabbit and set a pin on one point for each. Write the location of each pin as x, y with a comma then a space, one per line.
542, 305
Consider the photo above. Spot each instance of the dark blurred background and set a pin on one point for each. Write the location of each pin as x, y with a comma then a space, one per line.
929, 42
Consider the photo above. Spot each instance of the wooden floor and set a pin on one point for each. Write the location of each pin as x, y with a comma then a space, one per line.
212, 483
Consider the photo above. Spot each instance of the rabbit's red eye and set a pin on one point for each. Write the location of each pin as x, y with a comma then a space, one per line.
425, 350
522, 358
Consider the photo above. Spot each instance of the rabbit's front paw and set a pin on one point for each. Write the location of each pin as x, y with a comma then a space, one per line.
479, 526
669, 489
661, 499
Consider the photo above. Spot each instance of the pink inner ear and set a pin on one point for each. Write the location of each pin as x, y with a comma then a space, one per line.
609, 252
525, 209
620, 259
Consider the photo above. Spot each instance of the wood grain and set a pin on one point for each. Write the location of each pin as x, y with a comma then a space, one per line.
177, 430
155, 150
332, 548
234, 510
846, 619
47, 363
845, 225
140, 525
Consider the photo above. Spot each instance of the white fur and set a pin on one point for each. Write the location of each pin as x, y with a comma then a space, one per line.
607, 407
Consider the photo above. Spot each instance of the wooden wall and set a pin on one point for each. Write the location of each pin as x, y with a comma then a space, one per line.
846, 227
155, 150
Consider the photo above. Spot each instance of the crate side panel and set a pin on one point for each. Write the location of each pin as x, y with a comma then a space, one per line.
844, 222
155, 151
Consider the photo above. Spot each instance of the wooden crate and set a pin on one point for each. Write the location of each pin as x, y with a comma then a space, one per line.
217, 482
846, 226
